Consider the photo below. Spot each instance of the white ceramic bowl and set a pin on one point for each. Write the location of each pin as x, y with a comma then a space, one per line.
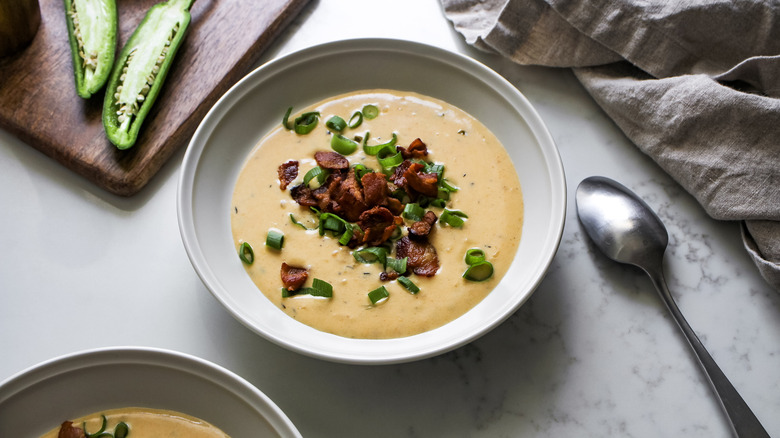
41, 398
254, 106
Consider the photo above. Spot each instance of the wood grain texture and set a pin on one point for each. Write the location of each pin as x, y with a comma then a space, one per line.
39, 104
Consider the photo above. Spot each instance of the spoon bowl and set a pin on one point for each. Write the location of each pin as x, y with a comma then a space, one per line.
628, 231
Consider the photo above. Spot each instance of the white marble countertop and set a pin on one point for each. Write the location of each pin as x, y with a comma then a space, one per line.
593, 353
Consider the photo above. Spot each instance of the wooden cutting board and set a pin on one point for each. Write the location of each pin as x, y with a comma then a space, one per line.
39, 104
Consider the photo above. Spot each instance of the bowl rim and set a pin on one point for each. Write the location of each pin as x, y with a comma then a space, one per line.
452, 59
63, 365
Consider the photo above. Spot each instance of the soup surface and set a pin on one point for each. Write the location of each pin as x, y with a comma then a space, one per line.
488, 192
142, 423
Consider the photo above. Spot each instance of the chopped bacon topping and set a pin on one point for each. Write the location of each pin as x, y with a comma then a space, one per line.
417, 149
68, 430
375, 188
378, 225
423, 183
368, 202
422, 228
287, 173
422, 256
349, 198
331, 160
292, 277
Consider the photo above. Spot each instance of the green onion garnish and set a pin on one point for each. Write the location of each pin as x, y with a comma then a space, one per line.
121, 430
306, 122
387, 148
474, 255
378, 295
274, 239
336, 123
246, 253
361, 170
413, 212
391, 161
371, 255
295, 221
96, 434
321, 288
347, 236
479, 271
343, 145
411, 287
286, 119
445, 185
356, 120
397, 265
370, 111
316, 172
453, 218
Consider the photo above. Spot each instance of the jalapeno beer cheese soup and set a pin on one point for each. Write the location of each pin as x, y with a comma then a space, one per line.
137, 423
472, 201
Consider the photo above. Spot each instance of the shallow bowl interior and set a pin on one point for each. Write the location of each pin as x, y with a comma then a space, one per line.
41, 398
255, 105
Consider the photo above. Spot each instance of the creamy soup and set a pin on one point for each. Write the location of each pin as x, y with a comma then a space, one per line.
474, 161
141, 423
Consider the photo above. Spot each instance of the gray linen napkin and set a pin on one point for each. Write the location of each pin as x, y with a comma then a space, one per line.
694, 84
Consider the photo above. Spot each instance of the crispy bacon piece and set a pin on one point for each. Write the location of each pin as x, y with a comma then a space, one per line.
331, 160
303, 196
292, 277
422, 256
68, 430
375, 189
398, 175
287, 173
378, 225
416, 149
350, 203
424, 183
422, 228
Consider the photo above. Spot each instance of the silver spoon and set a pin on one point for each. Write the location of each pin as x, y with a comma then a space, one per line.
626, 230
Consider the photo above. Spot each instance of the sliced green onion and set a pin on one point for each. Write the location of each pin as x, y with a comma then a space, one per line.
321, 288
332, 222
316, 172
347, 236
388, 147
336, 123
343, 145
286, 119
95, 434
453, 218
397, 265
356, 120
246, 253
444, 184
295, 221
391, 161
370, 111
378, 295
474, 255
371, 255
479, 271
438, 202
274, 239
438, 169
121, 430
361, 170
409, 285
306, 122
413, 212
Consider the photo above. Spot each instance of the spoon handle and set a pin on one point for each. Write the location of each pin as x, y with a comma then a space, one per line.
743, 421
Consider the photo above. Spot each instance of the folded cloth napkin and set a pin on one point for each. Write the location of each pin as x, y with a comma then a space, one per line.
695, 84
